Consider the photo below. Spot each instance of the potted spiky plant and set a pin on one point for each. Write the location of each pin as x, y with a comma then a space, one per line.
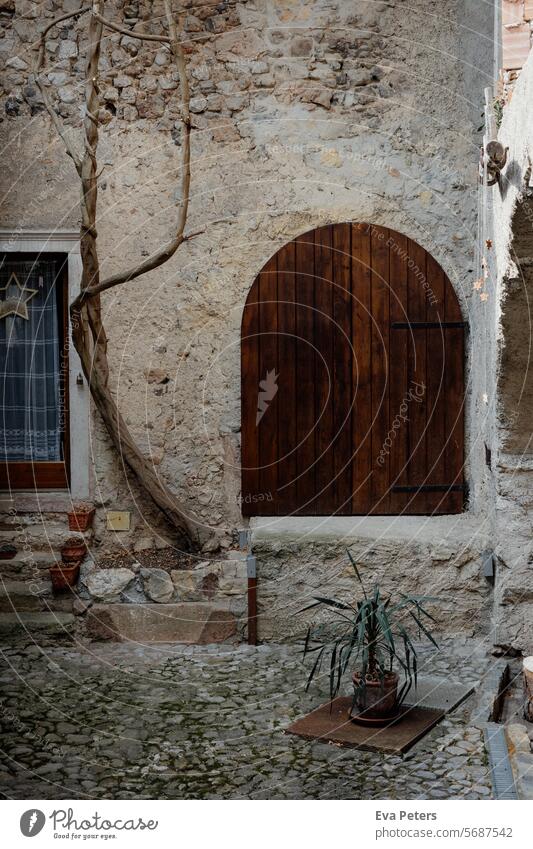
372, 635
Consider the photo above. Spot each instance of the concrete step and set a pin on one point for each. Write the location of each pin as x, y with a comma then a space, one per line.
193, 623
16, 596
30, 623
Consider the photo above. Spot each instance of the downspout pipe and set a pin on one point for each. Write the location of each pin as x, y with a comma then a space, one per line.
251, 569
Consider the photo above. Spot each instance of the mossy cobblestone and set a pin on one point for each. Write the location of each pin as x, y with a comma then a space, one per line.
202, 722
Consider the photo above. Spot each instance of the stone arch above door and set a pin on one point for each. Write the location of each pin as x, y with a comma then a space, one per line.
352, 352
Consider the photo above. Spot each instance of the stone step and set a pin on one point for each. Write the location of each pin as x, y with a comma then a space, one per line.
21, 624
193, 623
16, 596
39, 524
41, 557
39, 535
29, 566
39, 560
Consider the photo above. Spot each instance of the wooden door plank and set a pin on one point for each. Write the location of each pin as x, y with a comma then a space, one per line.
20, 474
305, 375
249, 389
268, 389
362, 368
436, 389
398, 370
380, 359
324, 333
287, 442
417, 387
327, 347
343, 359
455, 393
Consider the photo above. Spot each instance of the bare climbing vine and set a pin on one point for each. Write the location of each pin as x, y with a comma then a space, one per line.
88, 332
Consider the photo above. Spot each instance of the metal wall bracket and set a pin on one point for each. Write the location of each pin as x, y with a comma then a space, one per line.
244, 539
431, 487
251, 566
429, 325
488, 565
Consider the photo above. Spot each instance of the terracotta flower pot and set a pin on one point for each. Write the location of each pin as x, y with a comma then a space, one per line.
80, 517
64, 575
73, 550
378, 699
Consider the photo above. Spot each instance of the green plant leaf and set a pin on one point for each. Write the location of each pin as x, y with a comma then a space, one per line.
338, 606
384, 624
306, 644
424, 629
332, 669
356, 570
416, 601
315, 668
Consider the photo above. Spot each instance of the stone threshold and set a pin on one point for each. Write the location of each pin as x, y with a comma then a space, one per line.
464, 527
42, 501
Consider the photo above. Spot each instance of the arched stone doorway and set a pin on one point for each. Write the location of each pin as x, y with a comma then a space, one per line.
352, 379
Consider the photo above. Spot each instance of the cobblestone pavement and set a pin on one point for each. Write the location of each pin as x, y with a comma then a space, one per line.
118, 721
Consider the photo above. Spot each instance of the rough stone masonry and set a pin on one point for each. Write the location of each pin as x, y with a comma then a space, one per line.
305, 112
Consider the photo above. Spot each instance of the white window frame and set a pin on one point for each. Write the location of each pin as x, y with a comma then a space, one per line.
64, 242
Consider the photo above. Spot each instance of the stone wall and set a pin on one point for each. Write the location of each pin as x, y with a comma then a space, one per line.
299, 559
513, 238
304, 113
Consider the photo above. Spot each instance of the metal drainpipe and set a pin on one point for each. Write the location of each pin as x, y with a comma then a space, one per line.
251, 567
498, 37
251, 571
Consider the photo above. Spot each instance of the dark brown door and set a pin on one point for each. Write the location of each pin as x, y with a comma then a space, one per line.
352, 379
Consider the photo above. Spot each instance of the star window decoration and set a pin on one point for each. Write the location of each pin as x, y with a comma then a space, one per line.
14, 298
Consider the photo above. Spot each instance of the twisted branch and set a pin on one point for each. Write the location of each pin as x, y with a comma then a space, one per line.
88, 332
39, 67
166, 252
145, 36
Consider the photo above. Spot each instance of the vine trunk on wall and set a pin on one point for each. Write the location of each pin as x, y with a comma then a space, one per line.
88, 332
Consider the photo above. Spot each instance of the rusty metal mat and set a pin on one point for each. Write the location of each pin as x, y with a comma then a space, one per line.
334, 726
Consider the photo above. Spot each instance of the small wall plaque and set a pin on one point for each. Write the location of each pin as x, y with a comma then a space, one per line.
118, 520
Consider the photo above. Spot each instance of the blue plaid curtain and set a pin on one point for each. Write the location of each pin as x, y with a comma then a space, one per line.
30, 368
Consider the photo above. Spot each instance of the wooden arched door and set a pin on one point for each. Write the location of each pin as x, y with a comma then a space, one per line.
352, 379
